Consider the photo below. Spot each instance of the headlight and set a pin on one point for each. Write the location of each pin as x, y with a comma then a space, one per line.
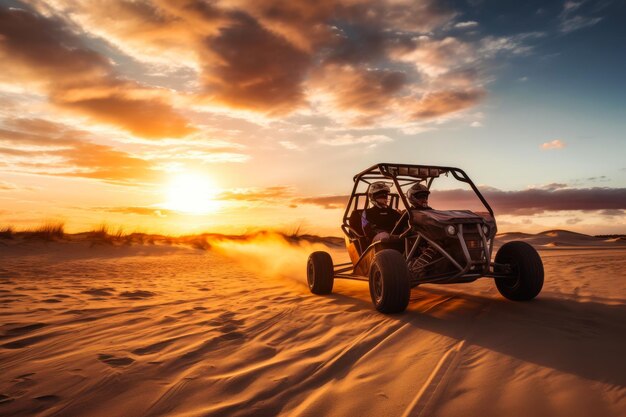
451, 230
485, 230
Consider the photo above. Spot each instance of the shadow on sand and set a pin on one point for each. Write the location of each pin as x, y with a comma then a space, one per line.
587, 339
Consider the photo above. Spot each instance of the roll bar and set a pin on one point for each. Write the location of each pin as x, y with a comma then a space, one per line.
411, 173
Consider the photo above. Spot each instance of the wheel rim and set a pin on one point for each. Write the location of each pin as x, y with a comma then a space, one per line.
310, 274
512, 281
377, 285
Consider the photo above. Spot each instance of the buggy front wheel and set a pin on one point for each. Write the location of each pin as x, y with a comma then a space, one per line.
389, 282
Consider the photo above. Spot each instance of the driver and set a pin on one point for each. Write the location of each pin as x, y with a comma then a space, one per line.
379, 220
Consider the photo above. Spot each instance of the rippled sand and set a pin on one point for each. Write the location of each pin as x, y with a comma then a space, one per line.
104, 330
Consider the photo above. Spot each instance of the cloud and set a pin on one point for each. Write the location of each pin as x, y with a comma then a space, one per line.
197, 149
287, 144
571, 21
498, 47
404, 15
247, 66
466, 25
440, 103
282, 195
7, 186
360, 63
538, 200
43, 147
269, 194
553, 186
435, 57
146, 117
613, 212
143, 211
366, 93
342, 58
346, 140
555, 144
612, 201
156, 32
574, 220
570, 6
327, 202
44, 51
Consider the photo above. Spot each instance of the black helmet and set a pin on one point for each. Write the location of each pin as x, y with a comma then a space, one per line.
416, 192
377, 189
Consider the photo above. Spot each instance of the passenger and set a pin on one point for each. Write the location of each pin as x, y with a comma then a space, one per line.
418, 199
418, 196
379, 220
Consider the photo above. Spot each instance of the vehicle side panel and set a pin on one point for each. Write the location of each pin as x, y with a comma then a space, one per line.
352, 250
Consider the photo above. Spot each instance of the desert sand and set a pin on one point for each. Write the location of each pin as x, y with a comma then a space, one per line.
229, 328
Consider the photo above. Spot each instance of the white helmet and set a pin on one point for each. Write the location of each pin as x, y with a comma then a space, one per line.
377, 189
416, 192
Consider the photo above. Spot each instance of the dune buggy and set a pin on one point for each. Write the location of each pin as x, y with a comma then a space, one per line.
426, 245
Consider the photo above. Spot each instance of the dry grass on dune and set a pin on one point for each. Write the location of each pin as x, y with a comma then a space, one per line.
105, 234
7, 232
46, 231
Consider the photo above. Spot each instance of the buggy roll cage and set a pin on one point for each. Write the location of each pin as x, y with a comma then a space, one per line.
407, 173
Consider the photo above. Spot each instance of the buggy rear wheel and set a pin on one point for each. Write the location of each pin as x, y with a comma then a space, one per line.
389, 282
526, 279
320, 273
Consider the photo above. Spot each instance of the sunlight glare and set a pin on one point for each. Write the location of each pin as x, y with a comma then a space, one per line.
192, 193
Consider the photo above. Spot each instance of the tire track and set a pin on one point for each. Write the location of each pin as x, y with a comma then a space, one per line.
314, 383
448, 361
425, 400
317, 389
396, 331
436, 382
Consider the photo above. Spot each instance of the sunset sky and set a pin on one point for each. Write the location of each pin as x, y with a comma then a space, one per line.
183, 116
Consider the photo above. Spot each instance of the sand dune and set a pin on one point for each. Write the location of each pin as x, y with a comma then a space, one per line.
173, 329
562, 238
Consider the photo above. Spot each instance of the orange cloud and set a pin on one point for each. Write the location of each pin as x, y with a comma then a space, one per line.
555, 144
269, 194
7, 186
149, 118
275, 56
440, 103
283, 196
327, 202
43, 50
42, 147
368, 91
143, 211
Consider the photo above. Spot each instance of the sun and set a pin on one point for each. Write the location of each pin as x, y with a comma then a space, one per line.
192, 193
